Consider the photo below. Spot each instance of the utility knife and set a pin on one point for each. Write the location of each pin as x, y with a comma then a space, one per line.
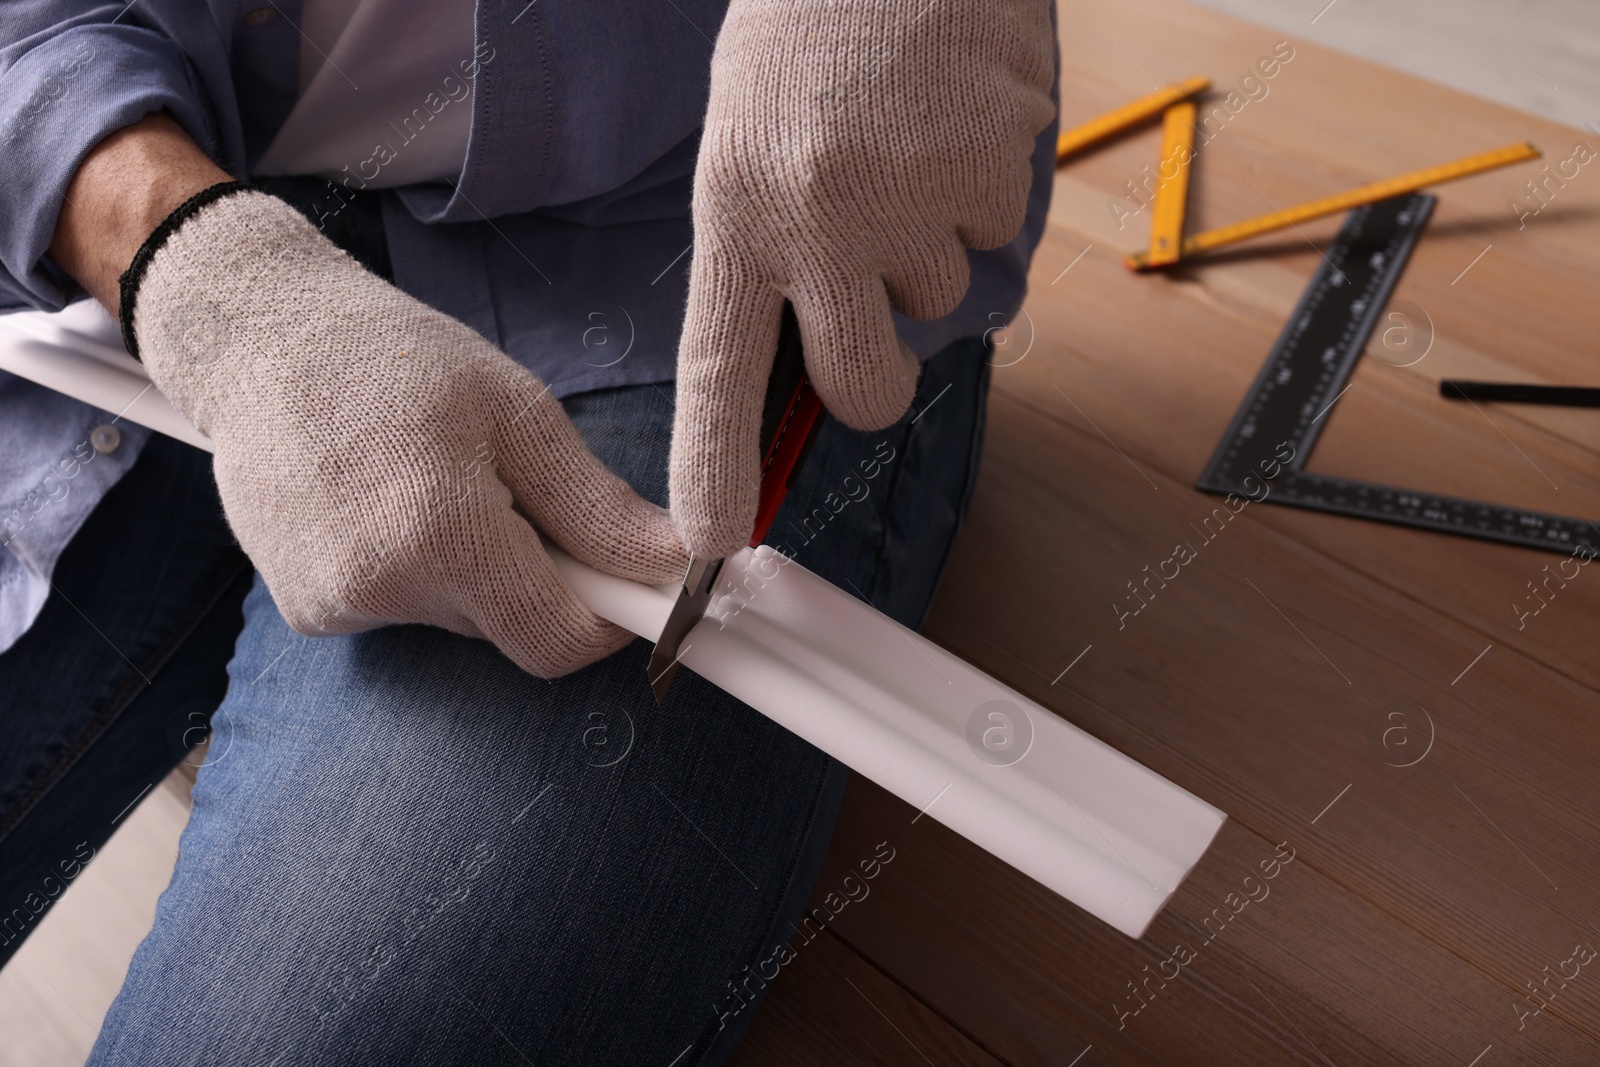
791, 414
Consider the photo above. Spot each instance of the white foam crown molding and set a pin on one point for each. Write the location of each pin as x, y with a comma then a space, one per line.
1008, 774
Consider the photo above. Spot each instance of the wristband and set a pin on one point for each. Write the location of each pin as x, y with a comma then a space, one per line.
128, 283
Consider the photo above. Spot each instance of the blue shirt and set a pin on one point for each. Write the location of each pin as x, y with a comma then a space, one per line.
566, 240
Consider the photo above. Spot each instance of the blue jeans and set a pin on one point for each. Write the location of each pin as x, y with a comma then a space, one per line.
403, 848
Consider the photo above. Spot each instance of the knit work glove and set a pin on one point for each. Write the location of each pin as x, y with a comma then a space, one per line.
379, 461
852, 152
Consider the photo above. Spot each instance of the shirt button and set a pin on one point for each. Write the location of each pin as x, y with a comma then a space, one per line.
105, 438
260, 16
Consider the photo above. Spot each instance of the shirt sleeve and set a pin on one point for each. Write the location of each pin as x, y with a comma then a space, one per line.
70, 74
52, 475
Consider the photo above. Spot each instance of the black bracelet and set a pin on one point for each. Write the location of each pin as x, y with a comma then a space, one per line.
128, 284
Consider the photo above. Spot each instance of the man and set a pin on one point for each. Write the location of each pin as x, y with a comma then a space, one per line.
441, 820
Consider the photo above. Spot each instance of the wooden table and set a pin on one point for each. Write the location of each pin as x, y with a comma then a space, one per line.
1420, 899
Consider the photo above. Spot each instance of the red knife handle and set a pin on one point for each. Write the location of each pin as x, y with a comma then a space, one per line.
791, 415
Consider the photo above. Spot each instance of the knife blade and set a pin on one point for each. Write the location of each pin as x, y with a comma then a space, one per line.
791, 415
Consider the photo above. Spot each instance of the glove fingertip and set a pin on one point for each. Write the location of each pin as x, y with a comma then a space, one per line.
871, 395
712, 523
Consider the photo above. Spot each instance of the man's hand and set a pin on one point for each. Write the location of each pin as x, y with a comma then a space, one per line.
852, 153
379, 461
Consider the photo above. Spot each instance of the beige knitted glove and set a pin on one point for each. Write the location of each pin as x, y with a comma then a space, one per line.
379, 461
852, 152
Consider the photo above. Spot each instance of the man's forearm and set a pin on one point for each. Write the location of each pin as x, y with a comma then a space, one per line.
125, 186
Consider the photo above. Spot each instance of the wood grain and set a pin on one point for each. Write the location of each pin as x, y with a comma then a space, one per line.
840, 1009
1422, 898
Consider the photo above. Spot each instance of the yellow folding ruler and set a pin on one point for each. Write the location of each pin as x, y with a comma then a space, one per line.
1176, 104
1172, 192
1075, 140
1166, 248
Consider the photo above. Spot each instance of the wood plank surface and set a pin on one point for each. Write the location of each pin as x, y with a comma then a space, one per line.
1283, 675
865, 1017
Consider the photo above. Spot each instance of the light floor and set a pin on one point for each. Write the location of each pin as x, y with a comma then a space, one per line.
56, 989
1539, 55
